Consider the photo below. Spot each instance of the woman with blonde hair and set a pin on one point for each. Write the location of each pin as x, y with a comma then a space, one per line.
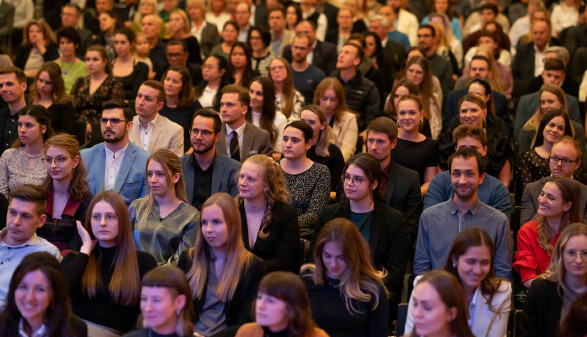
501, 79
343, 285
218, 13
205, 32
222, 274
104, 277
288, 100
448, 46
329, 95
179, 29
269, 222
164, 223
38, 46
550, 295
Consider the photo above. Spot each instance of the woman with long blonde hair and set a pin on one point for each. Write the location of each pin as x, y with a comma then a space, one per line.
288, 100
179, 29
164, 223
222, 274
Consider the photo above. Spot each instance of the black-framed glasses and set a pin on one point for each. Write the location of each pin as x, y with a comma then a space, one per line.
113, 121
555, 160
357, 181
59, 160
204, 133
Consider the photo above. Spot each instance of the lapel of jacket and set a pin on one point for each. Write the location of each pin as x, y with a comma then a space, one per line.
247, 142
127, 161
221, 144
391, 183
377, 221
157, 129
99, 168
217, 173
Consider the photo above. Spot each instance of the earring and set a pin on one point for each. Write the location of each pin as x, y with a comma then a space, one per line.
454, 265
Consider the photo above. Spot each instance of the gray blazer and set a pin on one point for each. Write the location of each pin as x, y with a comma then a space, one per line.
210, 38
255, 141
530, 200
224, 170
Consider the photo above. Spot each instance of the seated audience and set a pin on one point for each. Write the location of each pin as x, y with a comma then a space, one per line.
142, 53
308, 182
280, 35
527, 64
216, 76
103, 278
202, 29
166, 306
125, 67
68, 193
240, 61
179, 29
164, 224
440, 67
153, 28
344, 20
343, 286
403, 87
223, 275
229, 35
550, 296
22, 164
14, 84
109, 23
178, 54
288, 100
487, 297
259, 39
26, 206
555, 72
564, 14
306, 76
38, 46
72, 67
440, 223
498, 75
37, 303
206, 171
491, 40
324, 55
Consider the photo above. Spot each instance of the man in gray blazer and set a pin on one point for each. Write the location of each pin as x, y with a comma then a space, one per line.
116, 164
240, 139
206, 171
565, 159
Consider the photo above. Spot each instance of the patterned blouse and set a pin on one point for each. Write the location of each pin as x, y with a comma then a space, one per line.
90, 106
297, 106
531, 168
15, 170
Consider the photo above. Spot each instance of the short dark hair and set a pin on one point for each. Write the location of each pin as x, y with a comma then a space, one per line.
176, 42
304, 127
30, 193
489, 6
554, 64
312, 24
494, 35
74, 6
384, 125
20, 76
359, 49
157, 86
482, 58
117, 103
243, 93
129, 33
277, 8
209, 113
463, 131
70, 34
429, 27
467, 153
264, 32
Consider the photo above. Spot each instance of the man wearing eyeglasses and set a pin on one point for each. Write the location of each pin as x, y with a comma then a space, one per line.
116, 164
150, 130
565, 159
206, 171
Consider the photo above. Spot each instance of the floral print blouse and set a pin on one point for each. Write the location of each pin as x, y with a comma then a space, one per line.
88, 105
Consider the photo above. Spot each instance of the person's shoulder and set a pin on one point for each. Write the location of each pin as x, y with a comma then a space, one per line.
437, 208
404, 171
249, 329
169, 124
91, 150
320, 168
224, 159
146, 260
250, 128
137, 333
543, 286
138, 151
316, 332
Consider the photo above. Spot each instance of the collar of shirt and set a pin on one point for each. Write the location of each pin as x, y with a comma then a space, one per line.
473, 306
39, 333
117, 154
34, 240
384, 42
207, 90
454, 209
151, 123
239, 130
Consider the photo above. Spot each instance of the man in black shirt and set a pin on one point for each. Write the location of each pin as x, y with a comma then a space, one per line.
12, 88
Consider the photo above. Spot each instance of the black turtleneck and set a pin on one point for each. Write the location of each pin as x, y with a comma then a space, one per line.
269, 333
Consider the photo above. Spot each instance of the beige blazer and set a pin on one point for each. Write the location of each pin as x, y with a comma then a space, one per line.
287, 39
345, 134
166, 135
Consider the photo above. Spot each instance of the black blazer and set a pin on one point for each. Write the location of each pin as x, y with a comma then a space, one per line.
280, 250
23, 52
261, 16
403, 194
523, 62
324, 57
388, 241
542, 311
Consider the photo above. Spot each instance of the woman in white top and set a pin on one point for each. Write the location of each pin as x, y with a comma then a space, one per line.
218, 14
288, 100
262, 113
214, 73
205, 32
564, 14
487, 297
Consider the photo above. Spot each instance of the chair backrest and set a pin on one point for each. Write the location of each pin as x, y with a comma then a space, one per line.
402, 315
517, 321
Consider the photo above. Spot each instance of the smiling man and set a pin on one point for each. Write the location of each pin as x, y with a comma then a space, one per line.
12, 88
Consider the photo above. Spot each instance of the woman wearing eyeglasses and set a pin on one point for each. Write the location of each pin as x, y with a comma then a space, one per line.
68, 193
558, 207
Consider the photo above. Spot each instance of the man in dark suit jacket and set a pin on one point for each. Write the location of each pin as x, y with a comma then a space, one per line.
330, 11
238, 138
324, 54
261, 17
523, 65
206, 171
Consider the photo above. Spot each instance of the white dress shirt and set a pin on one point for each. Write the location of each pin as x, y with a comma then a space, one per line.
207, 98
146, 133
539, 61
112, 167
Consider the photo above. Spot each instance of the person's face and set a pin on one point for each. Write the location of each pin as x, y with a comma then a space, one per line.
362, 189
30, 131
307, 5
242, 14
465, 178
344, 19
103, 6
122, 45
409, 115
229, 34
549, 101
176, 23
271, 312
231, 109
472, 114
333, 259
329, 101
551, 203
472, 143
95, 64
377, 28
300, 49
146, 104
294, 146
395, 4
142, 45
478, 89
379, 145
176, 56
250, 182
473, 266
313, 121
256, 41
486, 16
146, 8
415, 74
11, 89
63, 171
22, 220
564, 151
347, 58
539, 17
66, 47
217, 5
554, 77
276, 21
104, 221
554, 129
159, 308
479, 70
389, 13
277, 71
200, 143
291, 17
107, 23
168, 5
211, 70
44, 84
441, 6
195, 13
431, 316
401, 91
172, 83
69, 17
425, 39
575, 261
33, 295
540, 34
370, 46
35, 34
488, 42
214, 228
157, 179
256, 94
238, 58
306, 28
150, 27
114, 133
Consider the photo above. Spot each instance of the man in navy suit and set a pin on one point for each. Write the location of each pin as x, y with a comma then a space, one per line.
206, 171
116, 164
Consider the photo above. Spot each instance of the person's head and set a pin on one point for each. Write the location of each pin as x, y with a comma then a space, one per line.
177, 84
480, 68
330, 96
108, 22
36, 31
557, 52
481, 88
230, 32
467, 171
124, 41
64, 164
467, 136
277, 19
196, 9
141, 45
315, 117
205, 131
488, 13
177, 53
558, 202
439, 306
261, 177
34, 126
293, 15
361, 177
569, 256
68, 40
418, 71
220, 224
97, 60
554, 72
151, 26
179, 24
214, 68
307, 5
259, 38
108, 221
70, 15
552, 97
150, 99
344, 18
166, 301
240, 56
148, 7
565, 157
490, 39
472, 110
379, 24
12, 85
410, 113
426, 38
169, 5
242, 14
372, 45
301, 47
26, 213
350, 56
116, 121
540, 15
308, 28
234, 105
282, 303
37, 293
297, 140
540, 34
401, 87
262, 95
396, 4
164, 175
381, 137
389, 13
48, 83
553, 125
104, 5
280, 71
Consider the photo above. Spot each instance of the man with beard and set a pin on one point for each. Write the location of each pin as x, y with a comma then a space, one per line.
206, 171
440, 224
116, 164
306, 76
